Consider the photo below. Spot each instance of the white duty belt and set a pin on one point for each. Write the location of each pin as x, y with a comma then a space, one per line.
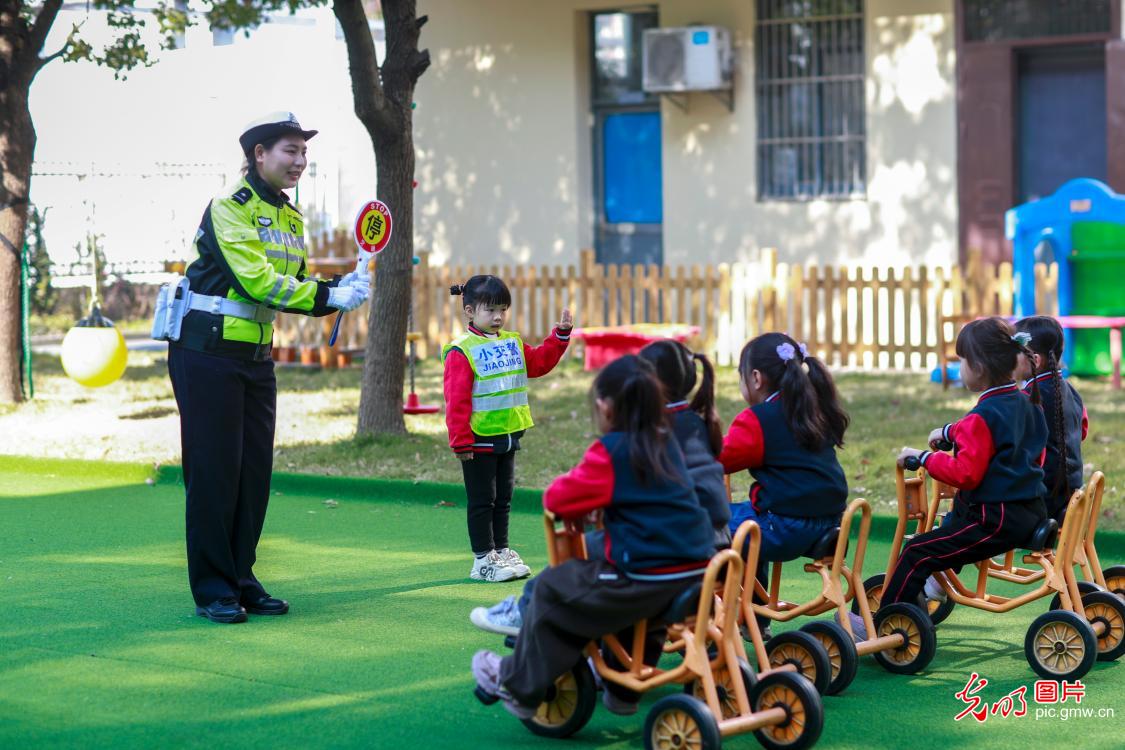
171, 309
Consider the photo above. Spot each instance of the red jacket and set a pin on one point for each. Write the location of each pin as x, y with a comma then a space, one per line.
458, 385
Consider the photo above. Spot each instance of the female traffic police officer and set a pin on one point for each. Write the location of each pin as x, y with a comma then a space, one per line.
250, 264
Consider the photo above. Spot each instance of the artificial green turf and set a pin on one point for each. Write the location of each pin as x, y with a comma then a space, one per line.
101, 648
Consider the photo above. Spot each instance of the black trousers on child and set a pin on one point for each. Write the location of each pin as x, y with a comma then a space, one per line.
972, 533
490, 479
571, 605
227, 408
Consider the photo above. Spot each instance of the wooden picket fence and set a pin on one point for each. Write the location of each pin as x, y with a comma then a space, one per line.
851, 316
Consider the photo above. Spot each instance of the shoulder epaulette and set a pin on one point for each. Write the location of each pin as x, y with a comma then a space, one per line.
241, 196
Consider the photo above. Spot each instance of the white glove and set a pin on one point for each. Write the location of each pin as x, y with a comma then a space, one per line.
356, 278
346, 298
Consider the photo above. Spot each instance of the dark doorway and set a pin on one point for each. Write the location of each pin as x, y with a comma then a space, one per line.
1061, 125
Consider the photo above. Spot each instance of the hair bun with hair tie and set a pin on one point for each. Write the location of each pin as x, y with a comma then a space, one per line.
1023, 338
786, 352
456, 290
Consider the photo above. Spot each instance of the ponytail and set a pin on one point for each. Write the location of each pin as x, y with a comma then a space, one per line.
482, 290
704, 403
1062, 478
637, 409
835, 418
1047, 341
808, 395
675, 367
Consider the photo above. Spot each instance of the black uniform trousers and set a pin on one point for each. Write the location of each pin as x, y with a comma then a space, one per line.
971, 533
571, 605
227, 408
490, 479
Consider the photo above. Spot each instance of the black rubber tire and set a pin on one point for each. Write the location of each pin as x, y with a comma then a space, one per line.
868, 585
912, 622
1115, 579
569, 704
1084, 587
841, 653
805, 652
1052, 631
1107, 608
800, 700
728, 701
937, 610
684, 717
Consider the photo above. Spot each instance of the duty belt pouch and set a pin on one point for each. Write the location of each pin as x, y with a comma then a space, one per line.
170, 311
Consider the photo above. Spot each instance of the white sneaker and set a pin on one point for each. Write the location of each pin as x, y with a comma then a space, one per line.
511, 558
503, 618
490, 568
934, 590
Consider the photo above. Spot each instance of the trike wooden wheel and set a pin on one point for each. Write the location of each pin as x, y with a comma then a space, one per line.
728, 700
873, 588
919, 644
1115, 579
568, 706
681, 722
1084, 587
1108, 610
841, 653
803, 651
805, 712
1060, 645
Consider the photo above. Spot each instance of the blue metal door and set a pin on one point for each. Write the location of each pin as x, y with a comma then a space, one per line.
631, 214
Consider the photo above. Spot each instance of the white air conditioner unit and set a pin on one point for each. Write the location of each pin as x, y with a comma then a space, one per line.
691, 58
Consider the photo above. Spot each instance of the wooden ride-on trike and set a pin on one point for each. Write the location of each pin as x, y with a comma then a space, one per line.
1085, 554
1061, 644
1096, 578
721, 694
901, 639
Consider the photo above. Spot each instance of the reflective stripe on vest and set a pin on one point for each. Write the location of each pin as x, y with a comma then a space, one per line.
500, 384
497, 403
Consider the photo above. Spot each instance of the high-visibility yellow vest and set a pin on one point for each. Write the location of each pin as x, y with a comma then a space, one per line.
499, 382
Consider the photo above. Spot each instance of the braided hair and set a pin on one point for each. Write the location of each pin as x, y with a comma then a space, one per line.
1047, 342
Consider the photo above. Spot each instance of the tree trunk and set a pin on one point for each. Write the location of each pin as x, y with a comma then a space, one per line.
17, 146
383, 102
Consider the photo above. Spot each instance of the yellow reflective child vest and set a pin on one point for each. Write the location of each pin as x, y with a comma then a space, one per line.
499, 382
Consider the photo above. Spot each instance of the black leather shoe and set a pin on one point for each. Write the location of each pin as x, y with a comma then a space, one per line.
267, 605
223, 610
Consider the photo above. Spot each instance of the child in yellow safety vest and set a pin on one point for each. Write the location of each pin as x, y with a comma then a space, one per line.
486, 413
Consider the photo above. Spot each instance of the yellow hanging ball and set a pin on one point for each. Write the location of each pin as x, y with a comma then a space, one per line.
94, 352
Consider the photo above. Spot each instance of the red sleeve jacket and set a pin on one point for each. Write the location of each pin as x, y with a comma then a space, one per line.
458, 384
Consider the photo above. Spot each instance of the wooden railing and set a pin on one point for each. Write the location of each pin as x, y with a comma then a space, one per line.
886, 318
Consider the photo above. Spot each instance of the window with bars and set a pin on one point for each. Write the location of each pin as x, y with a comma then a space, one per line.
810, 96
996, 20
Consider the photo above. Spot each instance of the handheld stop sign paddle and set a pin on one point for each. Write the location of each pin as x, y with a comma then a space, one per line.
372, 233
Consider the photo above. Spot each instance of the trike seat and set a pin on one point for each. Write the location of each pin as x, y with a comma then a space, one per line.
826, 545
1045, 535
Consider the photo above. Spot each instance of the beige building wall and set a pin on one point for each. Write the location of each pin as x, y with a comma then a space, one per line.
503, 136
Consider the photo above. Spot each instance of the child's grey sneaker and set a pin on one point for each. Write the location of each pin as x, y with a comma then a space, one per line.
934, 590
503, 618
511, 558
490, 568
859, 630
486, 671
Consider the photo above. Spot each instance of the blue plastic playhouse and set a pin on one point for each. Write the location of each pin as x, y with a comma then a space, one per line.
1082, 228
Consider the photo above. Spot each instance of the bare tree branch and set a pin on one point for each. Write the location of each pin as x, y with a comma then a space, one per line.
42, 26
53, 56
367, 88
404, 63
